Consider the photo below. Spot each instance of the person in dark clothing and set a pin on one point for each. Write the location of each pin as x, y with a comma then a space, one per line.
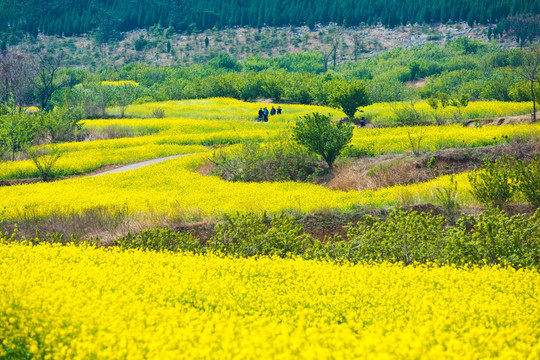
362, 122
272, 111
265, 115
279, 110
261, 115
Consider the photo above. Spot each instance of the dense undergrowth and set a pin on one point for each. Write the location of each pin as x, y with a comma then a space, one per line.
408, 237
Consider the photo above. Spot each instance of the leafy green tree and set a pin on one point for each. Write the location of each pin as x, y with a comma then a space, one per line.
530, 71
62, 124
321, 136
349, 97
495, 184
17, 131
124, 95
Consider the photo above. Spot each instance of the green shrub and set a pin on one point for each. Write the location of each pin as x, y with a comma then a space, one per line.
447, 198
405, 236
408, 115
253, 234
280, 161
159, 240
528, 177
45, 158
495, 184
495, 238
158, 113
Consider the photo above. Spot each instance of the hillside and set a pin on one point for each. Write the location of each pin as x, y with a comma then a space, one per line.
107, 18
160, 46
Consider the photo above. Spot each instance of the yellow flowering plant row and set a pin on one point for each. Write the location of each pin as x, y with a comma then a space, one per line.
173, 187
432, 138
120, 83
386, 112
171, 132
85, 302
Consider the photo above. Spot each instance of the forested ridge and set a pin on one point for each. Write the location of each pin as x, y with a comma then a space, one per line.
72, 17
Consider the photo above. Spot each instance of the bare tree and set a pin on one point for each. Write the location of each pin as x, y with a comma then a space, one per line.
16, 74
358, 46
46, 81
331, 51
530, 71
335, 44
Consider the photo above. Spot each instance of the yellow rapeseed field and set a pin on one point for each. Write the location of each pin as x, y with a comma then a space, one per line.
120, 83
382, 112
174, 188
191, 125
68, 302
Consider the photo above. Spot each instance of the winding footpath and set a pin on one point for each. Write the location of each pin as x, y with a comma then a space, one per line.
138, 165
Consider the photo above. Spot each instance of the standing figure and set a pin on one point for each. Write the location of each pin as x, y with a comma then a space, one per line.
265, 115
279, 110
272, 111
362, 122
261, 115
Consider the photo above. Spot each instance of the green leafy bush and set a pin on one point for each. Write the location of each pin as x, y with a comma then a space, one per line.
280, 161
495, 184
528, 177
495, 238
405, 236
253, 234
159, 240
45, 158
321, 136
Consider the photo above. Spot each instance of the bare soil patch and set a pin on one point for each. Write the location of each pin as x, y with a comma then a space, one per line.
392, 169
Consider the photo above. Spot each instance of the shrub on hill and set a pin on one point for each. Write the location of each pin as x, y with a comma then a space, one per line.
253, 162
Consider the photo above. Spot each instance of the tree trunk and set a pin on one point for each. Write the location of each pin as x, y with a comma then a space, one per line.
533, 100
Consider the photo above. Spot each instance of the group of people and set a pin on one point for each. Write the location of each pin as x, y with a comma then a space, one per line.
263, 113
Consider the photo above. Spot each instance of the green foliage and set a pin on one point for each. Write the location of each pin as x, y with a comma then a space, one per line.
447, 197
158, 113
159, 240
323, 137
495, 184
408, 115
404, 236
528, 178
495, 238
106, 19
256, 234
17, 131
44, 158
62, 124
279, 161
225, 61
349, 97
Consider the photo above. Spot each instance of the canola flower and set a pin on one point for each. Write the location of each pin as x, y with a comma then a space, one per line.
82, 302
383, 113
174, 188
195, 124
120, 83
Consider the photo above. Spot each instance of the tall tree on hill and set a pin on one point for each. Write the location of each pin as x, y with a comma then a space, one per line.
530, 71
46, 81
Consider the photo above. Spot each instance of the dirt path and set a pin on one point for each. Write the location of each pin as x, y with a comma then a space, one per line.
134, 166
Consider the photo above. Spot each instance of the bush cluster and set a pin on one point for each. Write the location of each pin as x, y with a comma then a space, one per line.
496, 183
409, 237
404, 236
253, 162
